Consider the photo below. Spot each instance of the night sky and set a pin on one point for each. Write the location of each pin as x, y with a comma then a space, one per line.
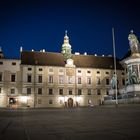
41, 24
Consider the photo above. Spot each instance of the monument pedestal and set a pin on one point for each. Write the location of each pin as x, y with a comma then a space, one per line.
133, 89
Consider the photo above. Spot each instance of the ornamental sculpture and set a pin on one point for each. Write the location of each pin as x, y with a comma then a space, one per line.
133, 43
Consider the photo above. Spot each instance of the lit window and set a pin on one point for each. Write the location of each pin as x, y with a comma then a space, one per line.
89, 91
70, 91
50, 91
89, 80
79, 91
98, 81
12, 91
13, 77
40, 79
60, 91
79, 80
29, 78
28, 90
107, 81
39, 91
50, 79
61, 79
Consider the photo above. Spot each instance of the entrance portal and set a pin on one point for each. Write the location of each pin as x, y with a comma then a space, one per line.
70, 102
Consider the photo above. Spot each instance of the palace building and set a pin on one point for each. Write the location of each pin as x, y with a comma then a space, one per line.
50, 79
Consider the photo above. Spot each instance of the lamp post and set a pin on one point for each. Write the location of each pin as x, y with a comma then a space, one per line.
114, 52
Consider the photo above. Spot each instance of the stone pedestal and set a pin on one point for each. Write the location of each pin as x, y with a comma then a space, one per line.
133, 89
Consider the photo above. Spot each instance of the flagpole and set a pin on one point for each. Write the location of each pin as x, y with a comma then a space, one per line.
114, 52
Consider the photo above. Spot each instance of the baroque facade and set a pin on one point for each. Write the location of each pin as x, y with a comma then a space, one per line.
48, 79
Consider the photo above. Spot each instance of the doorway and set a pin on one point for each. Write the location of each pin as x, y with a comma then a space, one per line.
70, 102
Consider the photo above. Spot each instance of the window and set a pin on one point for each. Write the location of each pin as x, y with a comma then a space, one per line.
39, 101
88, 71
79, 91
122, 73
79, 80
89, 91
89, 80
70, 80
107, 72
98, 72
28, 90
79, 71
98, 81
13, 63
29, 78
61, 70
12, 91
40, 79
39, 91
107, 92
61, 79
70, 91
13, 77
50, 79
123, 82
29, 69
98, 92
40, 69
1, 63
0, 90
0, 77
50, 69
60, 91
50, 101
50, 91
107, 81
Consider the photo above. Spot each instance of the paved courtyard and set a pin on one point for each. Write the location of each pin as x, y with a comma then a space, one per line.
96, 123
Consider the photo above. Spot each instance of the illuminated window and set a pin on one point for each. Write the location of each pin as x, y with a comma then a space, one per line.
0, 77
12, 91
40, 79
28, 90
50, 91
98, 81
29, 78
89, 91
50, 79
107, 81
39, 91
79, 91
60, 91
13, 77
79, 80
70, 91
61, 79
50, 101
89, 80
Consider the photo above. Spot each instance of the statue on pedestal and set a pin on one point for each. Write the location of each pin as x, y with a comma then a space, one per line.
133, 42
113, 81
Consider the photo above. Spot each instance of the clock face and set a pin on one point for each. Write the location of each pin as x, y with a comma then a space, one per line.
70, 62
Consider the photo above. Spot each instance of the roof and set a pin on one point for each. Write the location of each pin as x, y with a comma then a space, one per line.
56, 59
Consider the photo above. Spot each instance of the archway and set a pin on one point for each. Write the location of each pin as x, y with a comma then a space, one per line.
70, 102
